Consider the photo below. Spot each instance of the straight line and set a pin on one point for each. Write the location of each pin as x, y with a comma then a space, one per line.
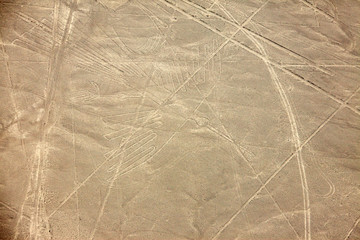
23, 143
257, 35
25, 5
352, 228
281, 167
278, 66
155, 112
13, 209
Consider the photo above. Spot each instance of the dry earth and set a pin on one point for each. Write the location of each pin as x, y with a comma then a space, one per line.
180, 119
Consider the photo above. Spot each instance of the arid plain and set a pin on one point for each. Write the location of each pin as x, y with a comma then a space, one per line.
179, 119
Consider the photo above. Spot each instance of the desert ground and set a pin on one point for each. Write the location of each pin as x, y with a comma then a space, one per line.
179, 119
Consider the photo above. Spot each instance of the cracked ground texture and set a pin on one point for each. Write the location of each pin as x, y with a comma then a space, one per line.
179, 119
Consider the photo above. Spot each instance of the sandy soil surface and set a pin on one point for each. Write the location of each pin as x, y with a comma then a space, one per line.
179, 119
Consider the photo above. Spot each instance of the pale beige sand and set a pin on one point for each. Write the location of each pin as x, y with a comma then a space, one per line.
179, 119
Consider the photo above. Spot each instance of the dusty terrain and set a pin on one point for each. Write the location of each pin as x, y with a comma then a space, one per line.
179, 119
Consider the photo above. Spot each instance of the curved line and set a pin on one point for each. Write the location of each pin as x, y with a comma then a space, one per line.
332, 188
294, 129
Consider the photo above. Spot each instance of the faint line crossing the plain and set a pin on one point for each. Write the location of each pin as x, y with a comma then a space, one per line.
238, 149
149, 117
284, 164
307, 82
39, 220
257, 35
136, 152
354, 226
296, 138
20, 214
